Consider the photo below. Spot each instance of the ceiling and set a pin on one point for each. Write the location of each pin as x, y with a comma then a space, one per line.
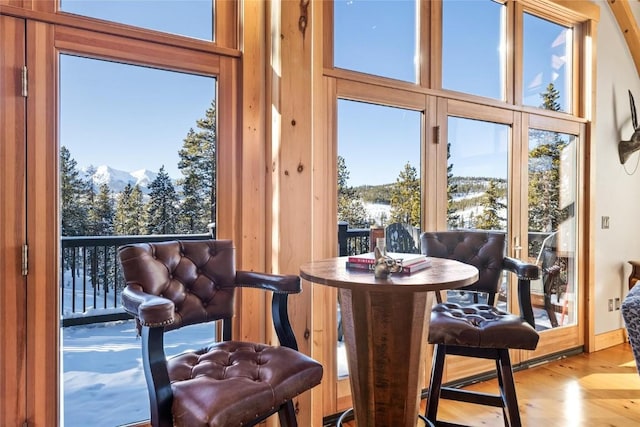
627, 14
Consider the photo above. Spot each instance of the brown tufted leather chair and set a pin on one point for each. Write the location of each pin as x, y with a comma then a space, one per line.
480, 330
229, 383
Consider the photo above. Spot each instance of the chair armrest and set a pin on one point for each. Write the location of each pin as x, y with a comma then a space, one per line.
522, 269
526, 273
151, 310
281, 286
278, 283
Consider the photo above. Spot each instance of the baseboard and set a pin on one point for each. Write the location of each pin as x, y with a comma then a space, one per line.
609, 339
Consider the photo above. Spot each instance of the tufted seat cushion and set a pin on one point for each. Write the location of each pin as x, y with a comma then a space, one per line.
231, 383
479, 325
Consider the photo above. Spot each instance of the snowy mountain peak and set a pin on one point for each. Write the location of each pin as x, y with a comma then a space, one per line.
117, 180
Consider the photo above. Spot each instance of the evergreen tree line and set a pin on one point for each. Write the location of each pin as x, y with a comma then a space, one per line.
90, 211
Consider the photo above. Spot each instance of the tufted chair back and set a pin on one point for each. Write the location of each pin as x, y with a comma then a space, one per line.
485, 250
197, 276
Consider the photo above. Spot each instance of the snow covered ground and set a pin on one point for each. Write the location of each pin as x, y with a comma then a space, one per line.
103, 383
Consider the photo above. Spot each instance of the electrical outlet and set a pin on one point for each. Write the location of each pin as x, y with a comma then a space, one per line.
610, 304
616, 303
605, 222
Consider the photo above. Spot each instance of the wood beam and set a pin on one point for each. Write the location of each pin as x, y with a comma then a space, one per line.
629, 26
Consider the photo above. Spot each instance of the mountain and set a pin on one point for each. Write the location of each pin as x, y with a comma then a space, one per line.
117, 179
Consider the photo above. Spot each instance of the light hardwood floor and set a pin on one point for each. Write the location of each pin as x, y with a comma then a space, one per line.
588, 390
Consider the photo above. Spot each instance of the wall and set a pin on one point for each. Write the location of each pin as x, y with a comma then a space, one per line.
617, 190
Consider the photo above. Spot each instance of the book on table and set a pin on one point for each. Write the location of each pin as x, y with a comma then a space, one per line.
414, 268
411, 263
369, 258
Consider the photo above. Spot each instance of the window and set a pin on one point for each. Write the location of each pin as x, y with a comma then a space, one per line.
473, 47
376, 37
547, 64
191, 18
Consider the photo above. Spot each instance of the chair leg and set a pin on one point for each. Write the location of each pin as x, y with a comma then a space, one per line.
509, 392
501, 388
435, 384
287, 415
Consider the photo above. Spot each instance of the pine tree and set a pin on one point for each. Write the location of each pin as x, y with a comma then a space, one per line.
453, 218
490, 218
128, 219
162, 208
550, 98
544, 172
101, 213
198, 166
73, 210
405, 197
350, 206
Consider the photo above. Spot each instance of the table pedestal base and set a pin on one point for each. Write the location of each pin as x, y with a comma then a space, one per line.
385, 333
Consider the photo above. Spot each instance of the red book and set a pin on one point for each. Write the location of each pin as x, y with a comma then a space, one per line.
425, 263
369, 258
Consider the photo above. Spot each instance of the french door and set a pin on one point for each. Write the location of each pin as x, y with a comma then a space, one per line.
28, 214
517, 173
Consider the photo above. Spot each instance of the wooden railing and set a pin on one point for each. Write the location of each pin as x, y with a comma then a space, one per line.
91, 282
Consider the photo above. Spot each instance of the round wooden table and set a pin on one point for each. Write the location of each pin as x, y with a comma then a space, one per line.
385, 323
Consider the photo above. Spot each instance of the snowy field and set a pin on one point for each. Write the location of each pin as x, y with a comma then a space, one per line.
103, 382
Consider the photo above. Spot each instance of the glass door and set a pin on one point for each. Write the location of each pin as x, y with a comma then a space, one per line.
553, 149
479, 186
517, 173
137, 163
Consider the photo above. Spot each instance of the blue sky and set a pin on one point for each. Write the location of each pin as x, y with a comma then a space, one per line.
132, 117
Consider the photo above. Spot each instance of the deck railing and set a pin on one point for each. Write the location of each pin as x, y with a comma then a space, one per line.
91, 281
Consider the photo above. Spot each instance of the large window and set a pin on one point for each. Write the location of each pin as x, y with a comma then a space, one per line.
482, 66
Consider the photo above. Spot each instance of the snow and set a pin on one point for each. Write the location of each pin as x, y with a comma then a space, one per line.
103, 382
118, 179
379, 212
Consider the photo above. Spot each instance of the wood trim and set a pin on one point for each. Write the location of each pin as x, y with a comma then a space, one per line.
13, 325
629, 28
434, 135
248, 226
323, 207
609, 339
226, 23
430, 47
589, 177
105, 46
291, 143
356, 91
478, 112
43, 14
42, 228
326, 26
